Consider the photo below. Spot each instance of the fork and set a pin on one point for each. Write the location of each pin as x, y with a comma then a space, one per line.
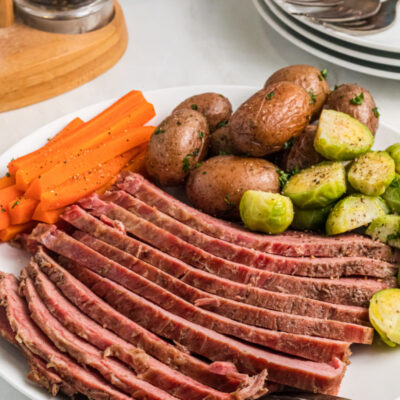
315, 3
381, 21
350, 10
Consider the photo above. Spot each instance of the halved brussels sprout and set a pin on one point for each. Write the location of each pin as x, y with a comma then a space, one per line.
394, 152
353, 212
341, 137
372, 173
384, 315
317, 186
386, 229
266, 212
313, 219
392, 195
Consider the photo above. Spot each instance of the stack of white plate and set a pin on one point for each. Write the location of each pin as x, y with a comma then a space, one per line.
376, 54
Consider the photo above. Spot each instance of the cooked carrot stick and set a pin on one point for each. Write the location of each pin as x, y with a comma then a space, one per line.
13, 230
50, 217
7, 195
21, 210
7, 180
74, 189
88, 159
20, 162
84, 140
138, 163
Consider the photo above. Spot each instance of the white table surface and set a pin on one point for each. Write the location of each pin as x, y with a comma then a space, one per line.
188, 42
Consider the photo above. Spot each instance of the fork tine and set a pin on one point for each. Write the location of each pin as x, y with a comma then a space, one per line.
315, 3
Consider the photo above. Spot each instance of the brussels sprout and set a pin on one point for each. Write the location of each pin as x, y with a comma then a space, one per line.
353, 212
266, 212
372, 173
392, 195
313, 219
317, 186
394, 152
384, 315
341, 137
385, 228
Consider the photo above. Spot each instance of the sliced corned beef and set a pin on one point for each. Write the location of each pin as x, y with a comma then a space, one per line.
232, 309
349, 291
248, 294
333, 267
220, 375
145, 366
313, 348
289, 244
308, 375
29, 335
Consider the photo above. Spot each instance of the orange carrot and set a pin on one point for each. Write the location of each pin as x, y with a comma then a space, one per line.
6, 181
74, 144
14, 165
50, 217
21, 210
7, 195
74, 189
13, 230
87, 160
138, 164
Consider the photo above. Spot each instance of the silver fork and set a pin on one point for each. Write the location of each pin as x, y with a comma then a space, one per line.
381, 21
315, 3
350, 10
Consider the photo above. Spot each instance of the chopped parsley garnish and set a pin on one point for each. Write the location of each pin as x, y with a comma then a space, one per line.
204, 172
288, 145
158, 131
224, 153
270, 95
393, 236
201, 134
284, 176
228, 201
8, 174
357, 100
336, 86
376, 112
15, 204
186, 160
222, 123
324, 73
3, 209
313, 96
199, 164
194, 107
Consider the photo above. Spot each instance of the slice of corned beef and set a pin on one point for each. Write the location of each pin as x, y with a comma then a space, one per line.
333, 267
232, 309
221, 375
313, 348
145, 366
84, 353
248, 294
29, 335
307, 375
290, 244
350, 291
38, 371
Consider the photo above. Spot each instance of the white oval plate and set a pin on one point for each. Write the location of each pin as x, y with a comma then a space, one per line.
373, 373
316, 37
388, 40
322, 52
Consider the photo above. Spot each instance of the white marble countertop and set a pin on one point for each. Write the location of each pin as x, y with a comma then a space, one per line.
189, 42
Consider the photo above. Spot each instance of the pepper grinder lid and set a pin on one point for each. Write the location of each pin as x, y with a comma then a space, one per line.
65, 16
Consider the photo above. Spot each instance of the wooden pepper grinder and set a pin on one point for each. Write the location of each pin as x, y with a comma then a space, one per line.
42, 57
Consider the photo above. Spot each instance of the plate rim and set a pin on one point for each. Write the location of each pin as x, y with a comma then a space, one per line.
275, 25
343, 36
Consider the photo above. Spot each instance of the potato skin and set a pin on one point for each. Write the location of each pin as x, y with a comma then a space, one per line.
269, 118
221, 142
340, 100
217, 186
302, 153
214, 106
309, 78
176, 146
